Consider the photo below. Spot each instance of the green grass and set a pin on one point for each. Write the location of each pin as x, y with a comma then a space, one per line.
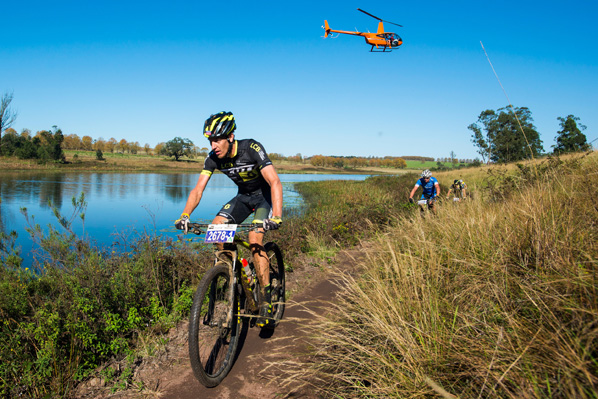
419, 165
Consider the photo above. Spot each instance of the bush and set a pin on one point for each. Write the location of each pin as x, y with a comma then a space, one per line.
100, 155
80, 306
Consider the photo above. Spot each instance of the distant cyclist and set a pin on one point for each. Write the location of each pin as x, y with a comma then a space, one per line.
430, 189
459, 190
246, 163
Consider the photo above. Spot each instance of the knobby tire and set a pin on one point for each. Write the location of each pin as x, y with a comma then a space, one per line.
213, 333
277, 282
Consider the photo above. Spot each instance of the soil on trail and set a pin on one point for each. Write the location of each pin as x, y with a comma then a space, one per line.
169, 375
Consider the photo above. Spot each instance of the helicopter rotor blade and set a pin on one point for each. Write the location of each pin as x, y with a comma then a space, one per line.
388, 22
365, 12
379, 19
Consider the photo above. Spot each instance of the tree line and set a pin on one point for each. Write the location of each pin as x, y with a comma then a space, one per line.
508, 134
505, 135
46, 145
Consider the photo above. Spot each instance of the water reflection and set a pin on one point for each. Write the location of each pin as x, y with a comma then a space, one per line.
119, 201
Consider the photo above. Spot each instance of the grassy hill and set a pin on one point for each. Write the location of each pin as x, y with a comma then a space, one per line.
495, 297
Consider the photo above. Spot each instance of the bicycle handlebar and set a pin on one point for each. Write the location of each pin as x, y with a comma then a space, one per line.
196, 228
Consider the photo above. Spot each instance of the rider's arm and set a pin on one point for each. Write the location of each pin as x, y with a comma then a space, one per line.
271, 177
413, 191
437, 186
197, 192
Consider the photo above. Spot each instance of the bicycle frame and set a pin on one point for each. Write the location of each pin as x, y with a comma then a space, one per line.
231, 250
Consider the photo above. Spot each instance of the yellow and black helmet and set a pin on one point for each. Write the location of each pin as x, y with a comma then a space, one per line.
219, 125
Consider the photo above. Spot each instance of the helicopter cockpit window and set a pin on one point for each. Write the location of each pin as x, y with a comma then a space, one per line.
389, 36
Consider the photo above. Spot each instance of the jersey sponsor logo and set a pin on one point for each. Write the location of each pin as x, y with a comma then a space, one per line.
259, 150
246, 172
247, 176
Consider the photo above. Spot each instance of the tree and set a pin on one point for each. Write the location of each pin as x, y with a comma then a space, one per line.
454, 160
111, 144
7, 116
72, 142
123, 145
87, 143
99, 144
500, 137
570, 138
51, 145
134, 147
177, 147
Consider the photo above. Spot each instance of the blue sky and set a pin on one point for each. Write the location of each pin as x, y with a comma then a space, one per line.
150, 71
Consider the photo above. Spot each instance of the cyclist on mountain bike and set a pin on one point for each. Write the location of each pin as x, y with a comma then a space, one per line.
459, 189
246, 163
431, 189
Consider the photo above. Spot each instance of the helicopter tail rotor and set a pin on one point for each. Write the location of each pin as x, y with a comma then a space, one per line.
326, 28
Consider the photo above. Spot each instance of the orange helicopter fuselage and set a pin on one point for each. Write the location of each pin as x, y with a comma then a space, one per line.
378, 39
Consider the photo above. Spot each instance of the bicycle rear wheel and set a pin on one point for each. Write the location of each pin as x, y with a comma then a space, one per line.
277, 282
213, 326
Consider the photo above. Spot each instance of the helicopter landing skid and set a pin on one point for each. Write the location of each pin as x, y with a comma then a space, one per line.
384, 50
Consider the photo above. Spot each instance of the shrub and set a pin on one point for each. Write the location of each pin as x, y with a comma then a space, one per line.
79, 305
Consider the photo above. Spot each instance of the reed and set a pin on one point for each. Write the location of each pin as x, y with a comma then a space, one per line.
490, 298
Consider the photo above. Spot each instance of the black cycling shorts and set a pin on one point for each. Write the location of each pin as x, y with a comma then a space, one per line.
242, 205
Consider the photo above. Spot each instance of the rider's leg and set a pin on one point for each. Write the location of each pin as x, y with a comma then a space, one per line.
260, 258
262, 267
263, 210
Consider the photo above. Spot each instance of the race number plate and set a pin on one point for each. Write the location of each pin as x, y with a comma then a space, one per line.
422, 202
224, 233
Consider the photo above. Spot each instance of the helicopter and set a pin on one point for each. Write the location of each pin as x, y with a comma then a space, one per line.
380, 40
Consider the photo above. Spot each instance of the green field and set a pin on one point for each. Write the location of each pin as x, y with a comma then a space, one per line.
428, 164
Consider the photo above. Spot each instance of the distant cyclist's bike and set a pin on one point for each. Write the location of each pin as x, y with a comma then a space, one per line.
228, 296
426, 203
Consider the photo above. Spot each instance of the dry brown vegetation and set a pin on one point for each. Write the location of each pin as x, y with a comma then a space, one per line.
491, 298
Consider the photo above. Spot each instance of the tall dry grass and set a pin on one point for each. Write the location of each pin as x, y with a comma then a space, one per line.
488, 299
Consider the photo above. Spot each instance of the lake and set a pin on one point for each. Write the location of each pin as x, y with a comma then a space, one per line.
120, 205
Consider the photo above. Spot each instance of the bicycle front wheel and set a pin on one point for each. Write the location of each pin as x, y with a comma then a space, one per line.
213, 326
277, 281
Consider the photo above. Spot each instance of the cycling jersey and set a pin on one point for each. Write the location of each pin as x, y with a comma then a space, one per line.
457, 188
460, 185
429, 189
243, 167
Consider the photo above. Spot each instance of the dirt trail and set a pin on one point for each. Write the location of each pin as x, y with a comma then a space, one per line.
244, 380
170, 376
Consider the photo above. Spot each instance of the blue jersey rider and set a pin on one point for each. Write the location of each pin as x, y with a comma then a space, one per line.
430, 189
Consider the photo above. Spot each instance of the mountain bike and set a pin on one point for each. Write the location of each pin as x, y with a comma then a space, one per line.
227, 297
